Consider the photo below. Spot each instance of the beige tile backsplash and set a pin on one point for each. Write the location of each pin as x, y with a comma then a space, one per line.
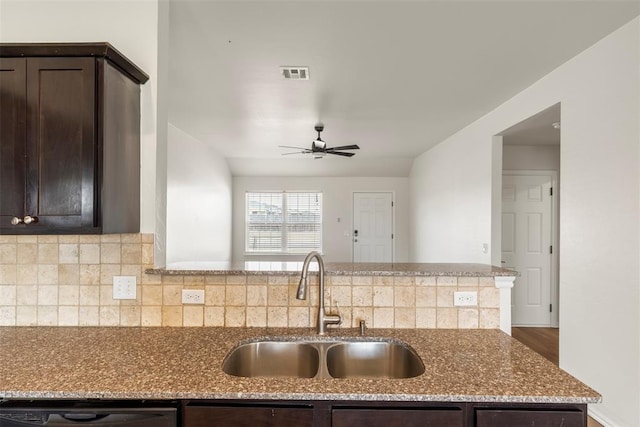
67, 281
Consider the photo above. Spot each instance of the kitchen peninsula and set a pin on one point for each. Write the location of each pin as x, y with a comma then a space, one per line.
474, 374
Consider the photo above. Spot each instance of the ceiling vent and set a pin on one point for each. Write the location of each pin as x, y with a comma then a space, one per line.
295, 73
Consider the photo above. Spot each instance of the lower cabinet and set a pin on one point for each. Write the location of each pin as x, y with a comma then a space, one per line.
239, 415
405, 417
380, 414
511, 417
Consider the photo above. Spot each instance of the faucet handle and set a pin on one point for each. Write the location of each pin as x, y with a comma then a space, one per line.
329, 319
339, 312
325, 319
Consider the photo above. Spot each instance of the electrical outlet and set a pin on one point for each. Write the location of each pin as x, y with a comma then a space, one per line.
193, 296
465, 298
124, 287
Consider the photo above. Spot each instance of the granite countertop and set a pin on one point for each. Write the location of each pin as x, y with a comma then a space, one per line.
185, 363
336, 268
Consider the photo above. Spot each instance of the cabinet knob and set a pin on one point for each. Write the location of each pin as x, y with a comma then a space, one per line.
28, 219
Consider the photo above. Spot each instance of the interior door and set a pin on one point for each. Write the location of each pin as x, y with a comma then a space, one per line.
526, 245
372, 227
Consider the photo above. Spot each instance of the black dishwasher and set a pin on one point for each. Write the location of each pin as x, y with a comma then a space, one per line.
88, 413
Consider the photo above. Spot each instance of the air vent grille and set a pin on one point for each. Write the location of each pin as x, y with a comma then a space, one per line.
295, 73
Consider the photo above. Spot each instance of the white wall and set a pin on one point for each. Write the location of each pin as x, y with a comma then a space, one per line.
337, 196
599, 210
198, 202
162, 122
130, 26
531, 157
450, 193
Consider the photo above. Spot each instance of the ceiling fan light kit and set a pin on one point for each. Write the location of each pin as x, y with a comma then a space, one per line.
319, 147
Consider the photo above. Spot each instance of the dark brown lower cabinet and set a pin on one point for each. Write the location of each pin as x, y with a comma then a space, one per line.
404, 417
248, 416
542, 418
200, 413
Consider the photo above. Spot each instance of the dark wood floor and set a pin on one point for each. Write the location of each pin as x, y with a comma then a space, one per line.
544, 341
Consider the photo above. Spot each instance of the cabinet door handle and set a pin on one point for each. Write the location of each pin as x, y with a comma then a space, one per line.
28, 219
15, 220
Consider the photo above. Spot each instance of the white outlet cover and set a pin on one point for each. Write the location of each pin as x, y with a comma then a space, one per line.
124, 287
193, 296
468, 298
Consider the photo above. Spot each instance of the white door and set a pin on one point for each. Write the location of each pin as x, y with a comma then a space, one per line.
372, 227
527, 246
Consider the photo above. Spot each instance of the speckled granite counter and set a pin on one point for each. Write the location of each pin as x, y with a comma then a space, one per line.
185, 363
338, 268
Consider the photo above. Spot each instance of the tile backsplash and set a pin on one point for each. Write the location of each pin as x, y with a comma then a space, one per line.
67, 281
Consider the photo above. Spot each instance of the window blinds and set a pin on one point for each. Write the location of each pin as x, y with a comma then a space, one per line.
283, 222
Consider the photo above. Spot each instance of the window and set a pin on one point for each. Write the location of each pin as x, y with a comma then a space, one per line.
283, 222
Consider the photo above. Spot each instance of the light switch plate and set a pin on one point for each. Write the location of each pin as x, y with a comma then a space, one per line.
124, 287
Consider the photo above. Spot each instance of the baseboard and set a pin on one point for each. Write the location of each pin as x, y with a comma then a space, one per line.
596, 415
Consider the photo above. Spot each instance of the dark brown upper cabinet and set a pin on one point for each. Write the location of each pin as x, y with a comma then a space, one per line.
69, 139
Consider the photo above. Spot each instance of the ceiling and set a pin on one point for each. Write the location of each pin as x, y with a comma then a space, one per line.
535, 130
394, 77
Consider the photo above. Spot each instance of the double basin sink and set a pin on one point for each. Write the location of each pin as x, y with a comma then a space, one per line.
323, 359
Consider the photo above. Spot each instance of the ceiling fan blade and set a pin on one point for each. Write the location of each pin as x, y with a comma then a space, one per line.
344, 147
296, 152
295, 148
341, 153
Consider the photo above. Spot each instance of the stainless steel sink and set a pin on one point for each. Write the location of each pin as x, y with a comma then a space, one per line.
273, 359
373, 360
324, 359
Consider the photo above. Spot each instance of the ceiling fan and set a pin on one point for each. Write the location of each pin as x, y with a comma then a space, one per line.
319, 148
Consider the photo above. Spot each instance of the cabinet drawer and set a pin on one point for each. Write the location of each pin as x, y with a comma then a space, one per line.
541, 418
247, 416
440, 417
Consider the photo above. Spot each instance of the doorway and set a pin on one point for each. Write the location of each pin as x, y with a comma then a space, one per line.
372, 227
531, 148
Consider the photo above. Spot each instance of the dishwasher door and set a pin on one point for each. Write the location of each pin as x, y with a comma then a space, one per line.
87, 416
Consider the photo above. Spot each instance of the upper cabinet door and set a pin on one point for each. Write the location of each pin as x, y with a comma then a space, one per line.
13, 128
61, 142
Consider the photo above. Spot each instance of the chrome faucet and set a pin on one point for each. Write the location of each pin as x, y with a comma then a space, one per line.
324, 319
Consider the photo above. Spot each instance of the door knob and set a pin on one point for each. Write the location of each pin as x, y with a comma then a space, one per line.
15, 220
